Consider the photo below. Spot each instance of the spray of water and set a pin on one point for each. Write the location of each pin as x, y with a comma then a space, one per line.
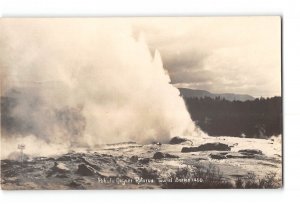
72, 82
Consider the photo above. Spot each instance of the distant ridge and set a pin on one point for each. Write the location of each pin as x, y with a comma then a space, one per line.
189, 93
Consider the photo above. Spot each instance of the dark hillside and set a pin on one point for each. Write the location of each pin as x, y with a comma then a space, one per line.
259, 118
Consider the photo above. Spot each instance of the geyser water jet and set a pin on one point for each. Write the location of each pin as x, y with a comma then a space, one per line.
71, 82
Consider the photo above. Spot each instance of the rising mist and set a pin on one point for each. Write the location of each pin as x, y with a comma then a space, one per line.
70, 83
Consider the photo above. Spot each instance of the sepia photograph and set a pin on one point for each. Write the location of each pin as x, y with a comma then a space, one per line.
141, 103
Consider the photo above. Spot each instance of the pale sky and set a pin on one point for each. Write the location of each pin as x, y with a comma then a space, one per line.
219, 54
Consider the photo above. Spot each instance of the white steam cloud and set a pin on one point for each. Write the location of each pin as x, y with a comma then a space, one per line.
71, 82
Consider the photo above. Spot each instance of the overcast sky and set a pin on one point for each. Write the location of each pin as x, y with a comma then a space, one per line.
219, 54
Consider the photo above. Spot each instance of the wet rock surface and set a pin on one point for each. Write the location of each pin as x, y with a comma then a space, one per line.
130, 165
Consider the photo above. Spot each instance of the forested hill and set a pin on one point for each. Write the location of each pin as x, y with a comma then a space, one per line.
202, 93
260, 118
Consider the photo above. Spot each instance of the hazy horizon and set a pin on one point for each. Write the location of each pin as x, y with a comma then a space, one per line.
230, 93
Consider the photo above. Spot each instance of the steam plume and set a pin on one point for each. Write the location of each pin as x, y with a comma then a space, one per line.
71, 82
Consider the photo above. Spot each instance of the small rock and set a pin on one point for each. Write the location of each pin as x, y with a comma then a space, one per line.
190, 149
177, 140
217, 156
171, 156
61, 176
59, 168
75, 185
214, 147
208, 147
160, 155
85, 170
250, 151
144, 160
134, 159
239, 156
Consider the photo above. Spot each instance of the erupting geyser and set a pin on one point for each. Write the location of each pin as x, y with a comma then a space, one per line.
83, 82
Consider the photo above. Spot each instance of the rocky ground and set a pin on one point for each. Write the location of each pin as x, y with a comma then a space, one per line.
193, 162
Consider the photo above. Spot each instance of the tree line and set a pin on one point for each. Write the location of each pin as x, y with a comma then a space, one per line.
259, 118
